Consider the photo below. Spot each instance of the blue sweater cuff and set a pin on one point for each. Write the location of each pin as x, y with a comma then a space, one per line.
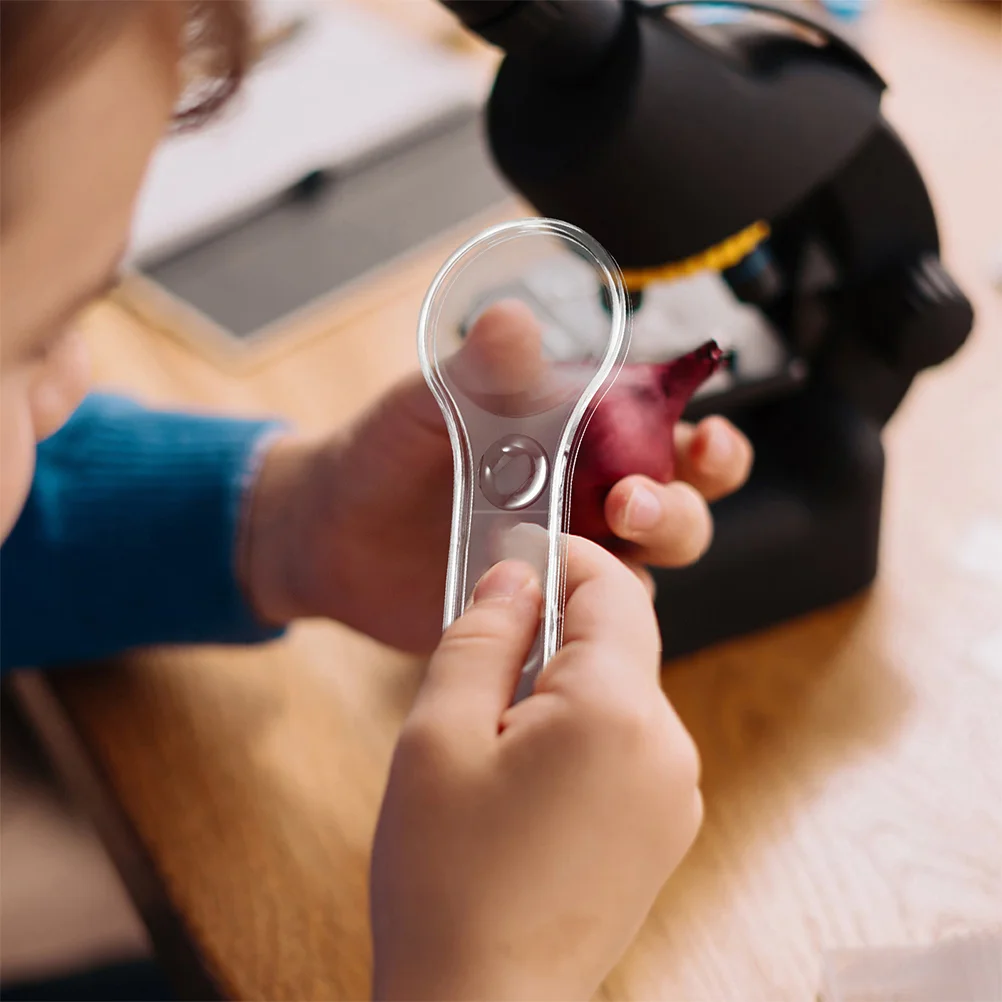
128, 537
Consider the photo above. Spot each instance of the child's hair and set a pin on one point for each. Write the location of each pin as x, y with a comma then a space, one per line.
41, 40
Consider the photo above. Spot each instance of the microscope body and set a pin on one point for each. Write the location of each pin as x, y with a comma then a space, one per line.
663, 141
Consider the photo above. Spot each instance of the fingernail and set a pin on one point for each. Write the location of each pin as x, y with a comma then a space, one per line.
643, 510
504, 580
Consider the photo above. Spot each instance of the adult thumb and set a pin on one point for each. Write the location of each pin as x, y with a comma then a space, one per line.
474, 671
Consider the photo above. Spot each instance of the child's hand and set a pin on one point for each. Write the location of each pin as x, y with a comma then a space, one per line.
338, 525
520, 848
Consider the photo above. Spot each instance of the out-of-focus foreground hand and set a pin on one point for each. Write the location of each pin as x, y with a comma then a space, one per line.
356, 527
519, 849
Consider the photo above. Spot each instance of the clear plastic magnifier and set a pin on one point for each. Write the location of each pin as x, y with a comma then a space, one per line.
521, 334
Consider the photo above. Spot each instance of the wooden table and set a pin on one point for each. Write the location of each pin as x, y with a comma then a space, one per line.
853, 759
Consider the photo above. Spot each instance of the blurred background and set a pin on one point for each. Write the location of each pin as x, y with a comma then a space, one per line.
358, 140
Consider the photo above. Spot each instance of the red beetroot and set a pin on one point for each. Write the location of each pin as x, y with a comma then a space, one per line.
632, 431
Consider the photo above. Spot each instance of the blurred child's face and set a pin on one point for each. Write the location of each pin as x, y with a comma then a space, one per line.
71, 166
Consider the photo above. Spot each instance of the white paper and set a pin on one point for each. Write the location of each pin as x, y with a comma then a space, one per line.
962, 969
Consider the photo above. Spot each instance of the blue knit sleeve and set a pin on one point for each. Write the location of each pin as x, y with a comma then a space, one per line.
128, 536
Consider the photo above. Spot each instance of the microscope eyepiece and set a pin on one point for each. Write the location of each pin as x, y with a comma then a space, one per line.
562, 38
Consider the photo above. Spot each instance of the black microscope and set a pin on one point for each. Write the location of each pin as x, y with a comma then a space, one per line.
752, 145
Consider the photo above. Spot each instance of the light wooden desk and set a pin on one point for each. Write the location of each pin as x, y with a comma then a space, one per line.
853, 760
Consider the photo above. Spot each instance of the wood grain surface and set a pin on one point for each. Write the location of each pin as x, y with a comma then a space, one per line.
852, 759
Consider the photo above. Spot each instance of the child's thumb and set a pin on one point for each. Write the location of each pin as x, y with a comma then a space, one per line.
475, 669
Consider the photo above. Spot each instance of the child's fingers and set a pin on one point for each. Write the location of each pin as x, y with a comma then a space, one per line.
643, 575
670, 523
714, 456
501, 363
474, 671
608, 667
608, 606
